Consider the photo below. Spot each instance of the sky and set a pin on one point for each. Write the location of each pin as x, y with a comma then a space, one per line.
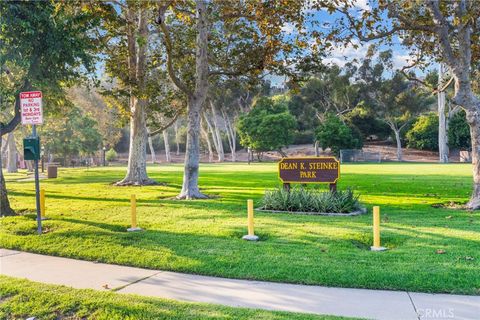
341, 54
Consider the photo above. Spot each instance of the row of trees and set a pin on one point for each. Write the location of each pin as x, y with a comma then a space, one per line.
164, 59
159, 59
357, 102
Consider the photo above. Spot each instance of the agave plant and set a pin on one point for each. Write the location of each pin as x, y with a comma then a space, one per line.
301, 199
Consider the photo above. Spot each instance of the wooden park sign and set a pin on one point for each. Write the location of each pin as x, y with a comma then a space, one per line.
309, 170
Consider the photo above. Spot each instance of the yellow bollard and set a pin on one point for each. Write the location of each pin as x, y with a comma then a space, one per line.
376, 230
133, 209
42, 204
251, 234
250, 217
133, 205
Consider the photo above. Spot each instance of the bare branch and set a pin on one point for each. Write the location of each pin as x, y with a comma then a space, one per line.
165, 127
442, 89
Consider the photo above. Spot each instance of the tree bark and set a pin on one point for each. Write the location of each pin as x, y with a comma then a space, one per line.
137, 155
216, 133
399, 144
316, 149
190, 189
3, 149
473, 119
11, 154
167, 146
442, 121
152, 150
211, 131
204, 133
231, 135
5, 209
177, 138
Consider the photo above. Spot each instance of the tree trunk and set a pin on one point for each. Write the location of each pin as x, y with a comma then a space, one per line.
29, 165
137, 155
231, 136
177, 138
152, 150
473, 119
11, 154
316, 149
442, 121
4, 148
137, 55
167, 146
399, 144
5, 209
216, 133
211, 131
190, 189
204, 133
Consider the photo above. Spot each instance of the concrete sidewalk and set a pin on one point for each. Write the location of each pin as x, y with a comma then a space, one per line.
361, 303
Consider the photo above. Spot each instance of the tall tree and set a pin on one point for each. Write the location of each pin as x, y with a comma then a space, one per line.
443, 151
126, 36
56, 47
453, 26
221, 38
395, 100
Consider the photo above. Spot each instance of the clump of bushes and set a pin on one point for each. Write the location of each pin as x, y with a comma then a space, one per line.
301, 199
424, 133
111, 155
336, 135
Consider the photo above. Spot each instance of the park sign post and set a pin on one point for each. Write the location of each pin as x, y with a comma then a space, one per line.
309, 170
31, 109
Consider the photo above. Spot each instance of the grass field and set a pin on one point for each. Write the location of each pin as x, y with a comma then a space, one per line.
89, 218
22, 299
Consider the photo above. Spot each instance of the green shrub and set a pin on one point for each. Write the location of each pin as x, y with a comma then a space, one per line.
367, 123
459, 132
424, 133
301, 199
268, 126
111, 155
336, 135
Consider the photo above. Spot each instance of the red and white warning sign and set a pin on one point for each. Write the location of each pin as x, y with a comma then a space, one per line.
31, 107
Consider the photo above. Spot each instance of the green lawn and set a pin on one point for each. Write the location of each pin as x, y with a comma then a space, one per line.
21, 299
89, 218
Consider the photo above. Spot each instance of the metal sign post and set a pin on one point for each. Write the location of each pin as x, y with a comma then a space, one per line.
32, 114
37, 186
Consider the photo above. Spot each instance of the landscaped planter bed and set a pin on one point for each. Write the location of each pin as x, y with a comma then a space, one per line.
349, 214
